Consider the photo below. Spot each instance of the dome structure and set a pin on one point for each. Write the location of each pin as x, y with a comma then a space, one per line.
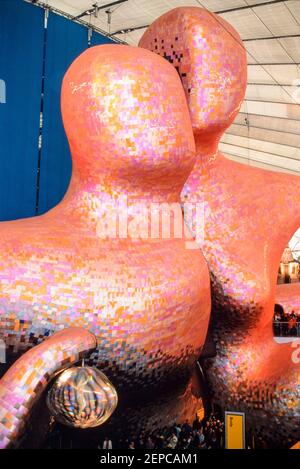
287, 256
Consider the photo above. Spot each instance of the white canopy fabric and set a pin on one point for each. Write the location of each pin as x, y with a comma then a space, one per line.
294, 244
266, 132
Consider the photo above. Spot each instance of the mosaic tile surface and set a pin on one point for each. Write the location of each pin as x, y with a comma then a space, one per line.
27, 378
146, 300
250, 215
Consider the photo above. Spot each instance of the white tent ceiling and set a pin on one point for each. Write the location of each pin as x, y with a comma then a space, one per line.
266, 132
295, 244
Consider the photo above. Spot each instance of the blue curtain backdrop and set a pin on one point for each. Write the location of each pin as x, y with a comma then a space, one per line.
21, 56
98, 39
65, 41
33, 180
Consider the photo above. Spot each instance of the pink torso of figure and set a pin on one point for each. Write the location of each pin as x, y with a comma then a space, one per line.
249, 216
146, 300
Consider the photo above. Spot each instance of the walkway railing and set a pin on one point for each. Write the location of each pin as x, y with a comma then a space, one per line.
286, 329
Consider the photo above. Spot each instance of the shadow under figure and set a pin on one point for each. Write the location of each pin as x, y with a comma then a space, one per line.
250, 215
147, 300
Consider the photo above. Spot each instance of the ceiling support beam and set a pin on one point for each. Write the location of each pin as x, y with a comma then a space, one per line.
129, 30
229, 132
272, 165
288, 85
249, 114
271, 37
273, 63
249, 6
265, 128
97, 8
261, 151
271, 102
46, 6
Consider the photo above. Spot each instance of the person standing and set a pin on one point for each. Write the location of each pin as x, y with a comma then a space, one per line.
107, 443
172, 442
298, 325
292, 324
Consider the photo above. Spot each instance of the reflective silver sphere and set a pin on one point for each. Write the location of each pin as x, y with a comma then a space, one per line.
82, 397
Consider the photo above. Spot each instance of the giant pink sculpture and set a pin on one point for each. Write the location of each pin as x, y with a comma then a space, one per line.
249, 216
146, 299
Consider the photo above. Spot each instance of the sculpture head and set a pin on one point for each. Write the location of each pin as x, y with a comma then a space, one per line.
210, 59
126, 117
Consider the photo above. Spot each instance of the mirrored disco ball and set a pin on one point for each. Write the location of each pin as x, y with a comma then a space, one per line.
82, 397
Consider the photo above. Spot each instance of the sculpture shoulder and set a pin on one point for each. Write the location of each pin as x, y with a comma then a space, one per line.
258, 185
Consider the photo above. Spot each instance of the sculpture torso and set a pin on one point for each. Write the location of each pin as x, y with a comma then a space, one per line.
146, 300
245, 232
249, 216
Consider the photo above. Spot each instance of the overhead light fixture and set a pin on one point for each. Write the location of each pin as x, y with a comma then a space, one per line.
109, 13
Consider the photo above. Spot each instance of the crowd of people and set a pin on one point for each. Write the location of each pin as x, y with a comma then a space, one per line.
201, 434
205, 434
208, 433
286, 324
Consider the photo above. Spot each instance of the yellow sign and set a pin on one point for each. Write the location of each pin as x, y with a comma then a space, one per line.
296, 446
235, 430
200, 413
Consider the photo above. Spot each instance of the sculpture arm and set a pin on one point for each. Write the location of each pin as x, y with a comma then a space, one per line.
28, 377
